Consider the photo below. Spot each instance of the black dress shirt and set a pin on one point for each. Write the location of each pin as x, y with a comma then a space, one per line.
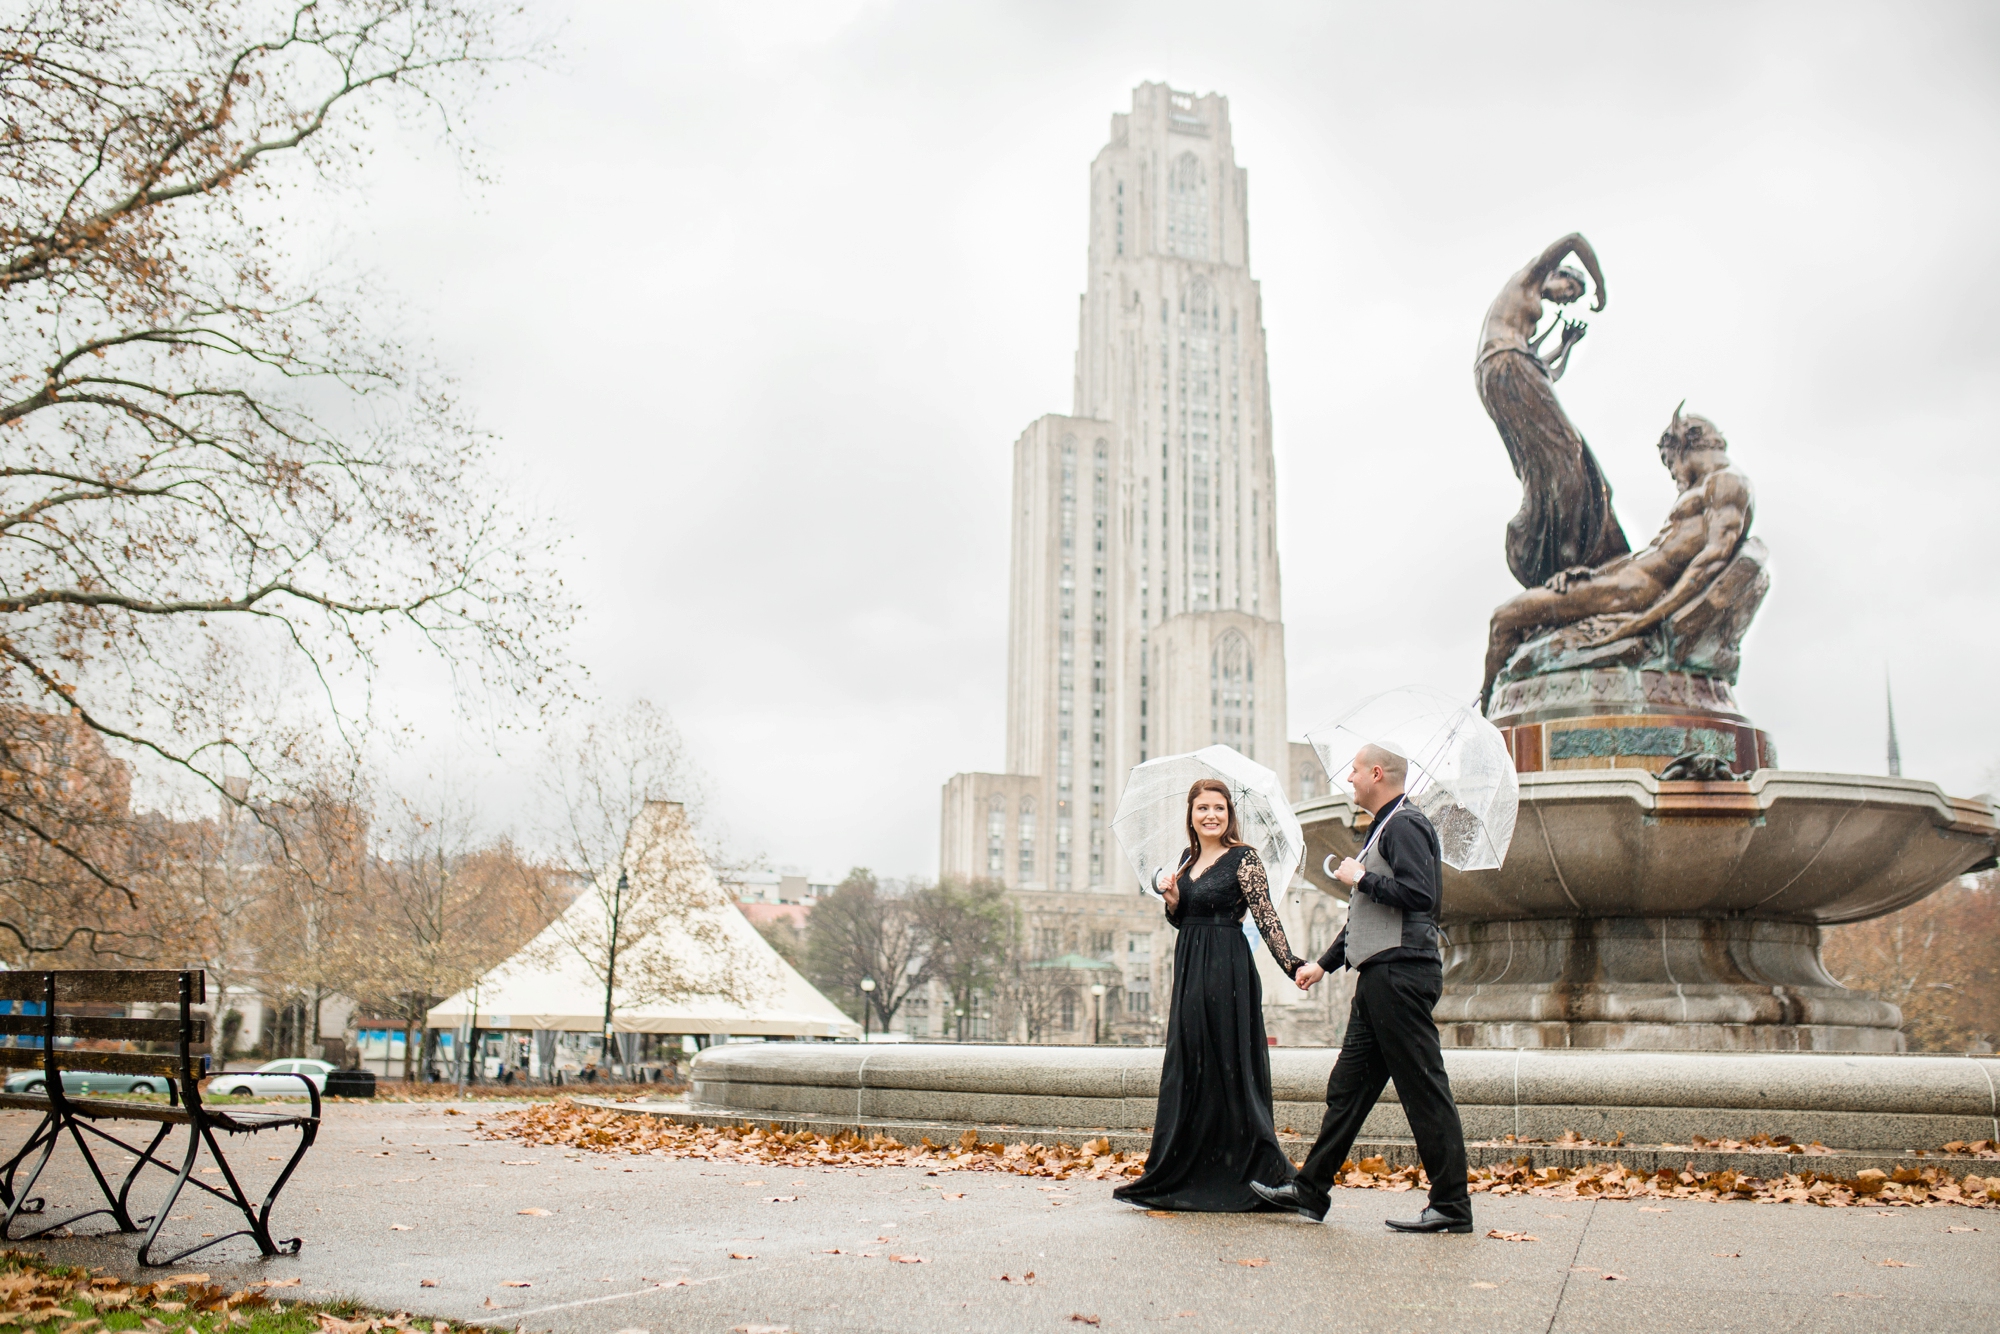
1411, 849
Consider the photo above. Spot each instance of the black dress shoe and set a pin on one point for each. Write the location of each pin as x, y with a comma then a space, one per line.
1288, 1196
1430, 1221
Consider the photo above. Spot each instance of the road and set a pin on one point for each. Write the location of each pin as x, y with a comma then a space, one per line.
396, 1194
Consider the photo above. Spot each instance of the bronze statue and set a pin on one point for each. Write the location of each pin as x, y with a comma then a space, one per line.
1565, 519
1680, 604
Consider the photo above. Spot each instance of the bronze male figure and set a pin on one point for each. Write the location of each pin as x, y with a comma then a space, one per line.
1635, 593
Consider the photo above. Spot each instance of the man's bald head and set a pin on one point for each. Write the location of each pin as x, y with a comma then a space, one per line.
1395, 769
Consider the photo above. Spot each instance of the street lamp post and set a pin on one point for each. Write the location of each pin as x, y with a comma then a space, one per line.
867, 994
960, 1016
1096, 1011
611, 965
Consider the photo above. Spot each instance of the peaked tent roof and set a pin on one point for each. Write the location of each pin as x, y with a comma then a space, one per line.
547, 984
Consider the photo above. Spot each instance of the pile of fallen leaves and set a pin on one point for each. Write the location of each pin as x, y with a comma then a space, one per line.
1613, 1181
32, 1294
38, 1296
600, 1130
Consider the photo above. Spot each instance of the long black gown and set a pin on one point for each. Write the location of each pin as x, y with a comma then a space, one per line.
1212, 1134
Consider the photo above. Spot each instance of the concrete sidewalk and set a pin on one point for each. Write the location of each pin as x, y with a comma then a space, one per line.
646, 1244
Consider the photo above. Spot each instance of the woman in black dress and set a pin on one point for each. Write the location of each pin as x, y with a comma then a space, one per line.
1213, 1134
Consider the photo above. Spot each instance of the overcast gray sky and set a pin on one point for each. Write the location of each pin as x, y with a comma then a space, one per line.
760, 296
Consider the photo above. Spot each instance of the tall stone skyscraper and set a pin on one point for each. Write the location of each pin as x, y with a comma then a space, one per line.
1144, 611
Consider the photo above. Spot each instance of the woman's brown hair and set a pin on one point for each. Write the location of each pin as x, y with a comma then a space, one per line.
1231, 834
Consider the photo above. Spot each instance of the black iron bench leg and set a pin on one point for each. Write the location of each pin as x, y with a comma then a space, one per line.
45, 1137
115, 1202
262, 1222
167, 1205
145, 1158
258, 1217
12, 1165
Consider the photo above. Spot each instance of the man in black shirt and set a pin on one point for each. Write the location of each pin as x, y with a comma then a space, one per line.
1391, 938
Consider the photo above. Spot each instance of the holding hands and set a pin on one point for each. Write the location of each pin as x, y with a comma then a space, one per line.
1308, 974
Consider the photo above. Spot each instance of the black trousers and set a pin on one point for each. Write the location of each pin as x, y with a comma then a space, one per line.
1390, 1036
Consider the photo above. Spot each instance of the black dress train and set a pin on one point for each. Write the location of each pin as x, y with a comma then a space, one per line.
1213, 1133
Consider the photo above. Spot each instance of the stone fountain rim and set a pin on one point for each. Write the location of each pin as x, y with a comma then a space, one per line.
1768, 786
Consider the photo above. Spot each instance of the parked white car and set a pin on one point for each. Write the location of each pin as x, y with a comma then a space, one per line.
273, 1078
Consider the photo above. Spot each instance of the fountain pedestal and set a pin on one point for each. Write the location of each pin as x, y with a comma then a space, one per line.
1639, 913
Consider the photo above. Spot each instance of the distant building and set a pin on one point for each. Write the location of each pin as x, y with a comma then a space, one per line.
776, 887
1144, 601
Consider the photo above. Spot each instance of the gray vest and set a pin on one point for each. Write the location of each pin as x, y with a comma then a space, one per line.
1373, 927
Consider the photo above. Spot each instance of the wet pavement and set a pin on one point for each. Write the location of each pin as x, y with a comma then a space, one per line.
396, 1194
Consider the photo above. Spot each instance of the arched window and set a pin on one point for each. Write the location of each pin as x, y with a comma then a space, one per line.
996, 836
1187, 208
1026, 830
1232, 694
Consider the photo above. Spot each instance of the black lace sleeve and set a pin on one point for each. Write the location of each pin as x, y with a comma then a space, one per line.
1257, 893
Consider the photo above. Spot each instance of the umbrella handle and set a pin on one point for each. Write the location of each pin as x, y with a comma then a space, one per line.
1326, 867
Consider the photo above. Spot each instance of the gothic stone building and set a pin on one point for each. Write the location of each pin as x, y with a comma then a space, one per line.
1145, 614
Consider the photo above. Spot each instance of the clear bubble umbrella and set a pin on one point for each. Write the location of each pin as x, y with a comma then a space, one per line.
1151, 823
1461, 775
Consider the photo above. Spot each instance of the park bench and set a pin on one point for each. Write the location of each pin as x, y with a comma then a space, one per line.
181, 1068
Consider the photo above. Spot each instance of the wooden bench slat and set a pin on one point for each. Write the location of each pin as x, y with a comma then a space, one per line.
102, 1109
110, 1062
103, 984
116, 1030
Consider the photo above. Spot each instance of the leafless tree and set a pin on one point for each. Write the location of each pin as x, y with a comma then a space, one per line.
967, 928
211, 450
1029, 992
652, 923
442, 907
868, 931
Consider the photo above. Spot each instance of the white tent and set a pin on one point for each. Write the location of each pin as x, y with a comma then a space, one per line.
549, 986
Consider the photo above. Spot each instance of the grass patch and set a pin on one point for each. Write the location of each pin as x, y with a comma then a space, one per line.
59, 1299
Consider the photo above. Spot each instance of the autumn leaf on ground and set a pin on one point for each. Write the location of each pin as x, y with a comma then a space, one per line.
951, 1195
753, 1183
520, 1162
1961, 1229
427, 1283
1498, 1235
1086, 1319
1613, 1278
781, 1199
516, 1283
1159, 1213
1255, 1262
1899, 1264
533, 1213
1484, 1284
909, 1259
833, 1250
1653, 1209
401, 1227
1729, 1255
741, 1255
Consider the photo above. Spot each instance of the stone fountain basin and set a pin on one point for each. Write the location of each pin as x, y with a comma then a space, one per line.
1781, 845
